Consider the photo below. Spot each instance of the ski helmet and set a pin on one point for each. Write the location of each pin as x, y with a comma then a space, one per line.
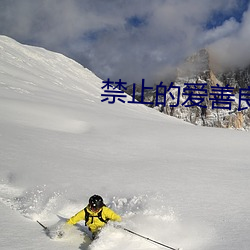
95, 202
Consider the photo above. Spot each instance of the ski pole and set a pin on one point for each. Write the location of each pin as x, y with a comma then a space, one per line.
45, 228
146, 238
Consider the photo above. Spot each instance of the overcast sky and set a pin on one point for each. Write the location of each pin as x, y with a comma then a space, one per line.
131, 39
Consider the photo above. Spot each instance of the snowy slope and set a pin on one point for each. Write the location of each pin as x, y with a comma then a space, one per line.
179, 184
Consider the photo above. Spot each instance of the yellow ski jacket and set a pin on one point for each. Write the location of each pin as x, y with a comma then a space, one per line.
94, 223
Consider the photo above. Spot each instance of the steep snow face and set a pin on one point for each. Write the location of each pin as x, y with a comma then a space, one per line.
179, 184
33, 78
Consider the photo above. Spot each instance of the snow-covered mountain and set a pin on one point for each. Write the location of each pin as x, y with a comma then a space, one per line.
182, 185
202, 69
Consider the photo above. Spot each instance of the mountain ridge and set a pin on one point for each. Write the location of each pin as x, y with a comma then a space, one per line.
201, 68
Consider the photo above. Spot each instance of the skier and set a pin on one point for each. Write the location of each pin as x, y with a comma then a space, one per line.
95, 214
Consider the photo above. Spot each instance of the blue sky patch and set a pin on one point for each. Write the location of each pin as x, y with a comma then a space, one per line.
219, 17
136, 21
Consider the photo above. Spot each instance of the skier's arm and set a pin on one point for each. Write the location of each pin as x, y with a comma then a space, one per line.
110, 214
77, 217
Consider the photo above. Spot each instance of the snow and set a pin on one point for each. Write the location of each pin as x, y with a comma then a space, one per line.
182, 185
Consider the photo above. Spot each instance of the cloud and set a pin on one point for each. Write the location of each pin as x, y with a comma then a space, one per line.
228, 28
130, 40
232, 50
